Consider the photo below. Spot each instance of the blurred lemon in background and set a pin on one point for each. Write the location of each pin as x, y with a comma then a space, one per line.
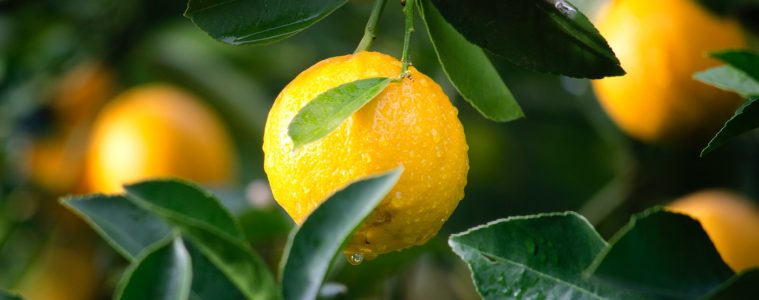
62, 272
411, 123
731, 221
55, 161
661, 44
158, 131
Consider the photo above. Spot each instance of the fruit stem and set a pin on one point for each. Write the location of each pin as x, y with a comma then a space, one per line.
371, 26
408, 9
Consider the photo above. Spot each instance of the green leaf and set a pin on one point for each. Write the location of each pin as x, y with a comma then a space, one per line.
255, 22
746, 61
742, 286
548, 36
664, 254
745, 118
242, 267
469, 69
730, 79
329, 109
5, 295
212, 230
165, 272
313, 246
208, 282
185, 203
533, 257
728, 7
127, 228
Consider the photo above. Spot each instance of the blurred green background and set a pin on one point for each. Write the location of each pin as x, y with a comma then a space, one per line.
565, 155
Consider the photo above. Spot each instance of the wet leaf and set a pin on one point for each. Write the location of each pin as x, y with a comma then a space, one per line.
329, 109
313, 246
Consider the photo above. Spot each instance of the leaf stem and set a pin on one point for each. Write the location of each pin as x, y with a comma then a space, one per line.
371, 26
408, 9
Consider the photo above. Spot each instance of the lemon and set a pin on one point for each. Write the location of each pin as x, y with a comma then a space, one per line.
411, 123
55, 161
661, 45
157, 131
730, 220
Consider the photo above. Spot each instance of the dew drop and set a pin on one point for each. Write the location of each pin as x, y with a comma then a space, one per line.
564, 7
356, 259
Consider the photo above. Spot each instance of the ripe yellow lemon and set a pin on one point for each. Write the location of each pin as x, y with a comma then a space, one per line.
157, 131
62, 273
56, 161
730, 220
411, 123
661, 45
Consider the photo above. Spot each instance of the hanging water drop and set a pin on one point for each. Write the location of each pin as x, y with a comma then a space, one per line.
356, 258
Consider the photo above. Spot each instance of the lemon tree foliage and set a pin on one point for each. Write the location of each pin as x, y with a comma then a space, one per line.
469, 69
4, 295
658, 255
534, 257
741, 286
664, 254
207, 255
164, 272
548, 36
739, 75
328, 110
312, 248
116, 219
252, 22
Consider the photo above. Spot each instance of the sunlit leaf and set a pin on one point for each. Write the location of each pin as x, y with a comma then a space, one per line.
312, 247
746, 61
730, 79
329, 109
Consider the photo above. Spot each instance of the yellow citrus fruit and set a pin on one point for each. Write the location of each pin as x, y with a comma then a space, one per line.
62, 273
730, 220
661, 45
411, 123
55, 161
157, 131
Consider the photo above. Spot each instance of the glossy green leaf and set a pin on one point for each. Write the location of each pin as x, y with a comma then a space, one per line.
5, 295
208, 282
212, 230
746, 61
533, 257
742, 286
165, 272
186, 203
329, 109
664, 254
313, 246
745, 118
469, 69
730, 79
242, 267
548, 36
255, 22
127, 228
